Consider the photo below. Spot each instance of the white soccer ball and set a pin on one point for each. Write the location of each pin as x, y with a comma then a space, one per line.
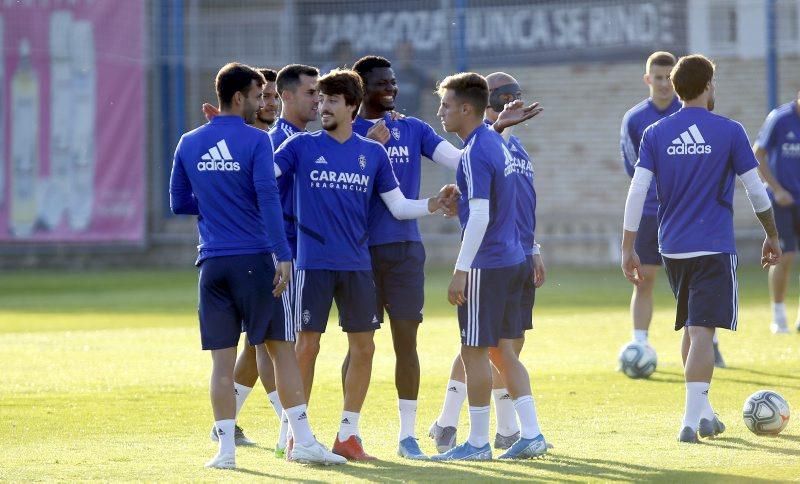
637, 360
765, 413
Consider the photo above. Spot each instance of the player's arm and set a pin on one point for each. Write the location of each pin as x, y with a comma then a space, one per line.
628, 145
634, 204
764, 142
269, 203
539, 270
285, 157
181, 198
447, 155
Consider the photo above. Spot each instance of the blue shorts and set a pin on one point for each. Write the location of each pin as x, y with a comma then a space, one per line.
235, 293
282, 314
787, 221
353, 291
706, 290
646, 244
399, 272
528, 296
492, 309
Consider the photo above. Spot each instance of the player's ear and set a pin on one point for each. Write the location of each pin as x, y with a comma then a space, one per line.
646, 79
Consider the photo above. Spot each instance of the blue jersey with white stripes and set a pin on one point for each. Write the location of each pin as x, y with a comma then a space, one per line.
410, 139
780, 137
223, 173
526, 193
487, 171
333, 183
278, 134
634, 123
695, 156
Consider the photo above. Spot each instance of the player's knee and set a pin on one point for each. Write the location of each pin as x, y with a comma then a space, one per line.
502, 356
307, 348
362, 351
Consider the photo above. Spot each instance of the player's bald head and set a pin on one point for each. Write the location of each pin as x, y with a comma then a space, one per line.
498, 79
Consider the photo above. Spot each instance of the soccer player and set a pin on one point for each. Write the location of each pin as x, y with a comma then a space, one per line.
490, 270
661, 103
777, 150
246, 372
265, 117
693, 156
398, 256
503, 89
223, 173
336, 172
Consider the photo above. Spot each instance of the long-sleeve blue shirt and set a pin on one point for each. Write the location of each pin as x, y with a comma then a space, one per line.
223, 173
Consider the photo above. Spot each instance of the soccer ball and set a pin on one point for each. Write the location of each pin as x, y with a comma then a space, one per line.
637, 360
765, 413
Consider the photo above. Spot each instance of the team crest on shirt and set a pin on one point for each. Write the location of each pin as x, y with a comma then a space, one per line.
362, 161
396, 133
306, 316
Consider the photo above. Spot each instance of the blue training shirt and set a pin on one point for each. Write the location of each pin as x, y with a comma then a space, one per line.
223, 173
487, 171
780, 136
410, 139
634, 123
526, 193
278, 134
695, 156
333, 183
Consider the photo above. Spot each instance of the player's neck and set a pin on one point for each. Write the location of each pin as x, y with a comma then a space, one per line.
469, 127
342, 133
661, 104
294, 120
700, 102
368, 112
261, 125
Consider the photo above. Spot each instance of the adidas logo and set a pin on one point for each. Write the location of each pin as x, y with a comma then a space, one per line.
513, 148
302, 416
791, 135
218, 158
321, 161
463, 334
506, 397
345, 421
375, 319
220, 432
453, 389
690, 142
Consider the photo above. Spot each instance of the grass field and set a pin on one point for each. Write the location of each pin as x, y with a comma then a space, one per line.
102, 378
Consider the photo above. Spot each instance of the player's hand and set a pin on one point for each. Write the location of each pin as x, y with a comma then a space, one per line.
394, 115
210, 111
783, 198
630, 266
770, 252
447, 200
283, 275
514, 113
457, 289
539, 271
379, 132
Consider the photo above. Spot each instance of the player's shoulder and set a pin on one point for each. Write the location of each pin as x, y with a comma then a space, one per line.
299, 140
368, 142
515, 144
637, 111
782, 111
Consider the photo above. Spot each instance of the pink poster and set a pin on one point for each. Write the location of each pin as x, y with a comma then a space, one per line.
72, 142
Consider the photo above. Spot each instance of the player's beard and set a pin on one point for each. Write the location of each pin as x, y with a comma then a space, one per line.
264, 118
331, 124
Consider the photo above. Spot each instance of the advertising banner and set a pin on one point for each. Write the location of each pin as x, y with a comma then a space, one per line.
72, 139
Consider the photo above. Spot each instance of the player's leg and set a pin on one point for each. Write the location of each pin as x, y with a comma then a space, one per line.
444, 428
778, 277
642, 302
478, 319
399, 271
642, 297
245, 375
712, 301
505, 357
355, 299
220, 328
314, 297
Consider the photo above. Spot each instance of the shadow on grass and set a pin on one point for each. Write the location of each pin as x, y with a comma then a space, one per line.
742, 444
558, 469
764, 373
276, 477
675, 377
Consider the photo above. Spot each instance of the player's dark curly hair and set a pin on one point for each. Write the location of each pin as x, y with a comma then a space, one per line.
269, 74
345, 82
365, 65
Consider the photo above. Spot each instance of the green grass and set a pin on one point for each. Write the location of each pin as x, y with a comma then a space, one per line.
102, 379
